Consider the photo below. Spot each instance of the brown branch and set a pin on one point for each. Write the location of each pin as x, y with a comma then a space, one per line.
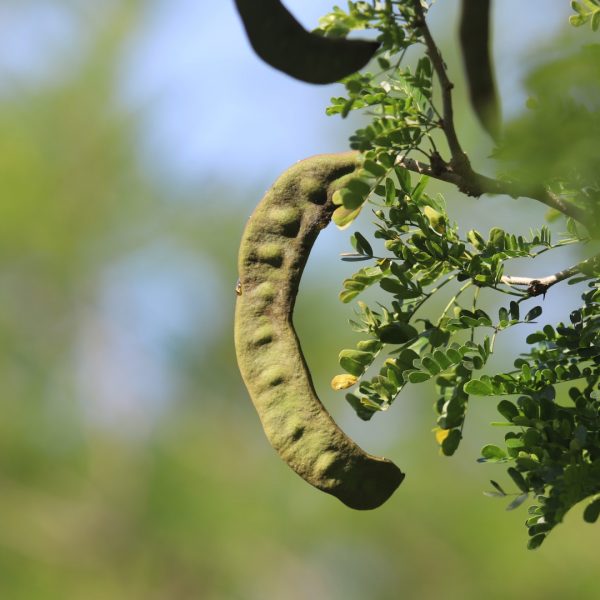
474, 184
459, 170
460, 160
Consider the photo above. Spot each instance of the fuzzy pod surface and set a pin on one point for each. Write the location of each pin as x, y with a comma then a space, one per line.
274, 249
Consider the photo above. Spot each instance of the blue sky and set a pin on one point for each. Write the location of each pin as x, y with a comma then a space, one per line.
210, 105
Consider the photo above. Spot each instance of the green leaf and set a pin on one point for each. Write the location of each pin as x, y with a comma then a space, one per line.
477, 387
517, 501
514, 310
384, 64
361, 244
419, 189
374, 168
351, 257
496, 237
358, 186
417, 376
503, 314
442, 359
577, 7
397, 333
355, 361
508, 410
534, 313
343, 216
390, 192
351, 200
533, 338
361, 411
450, 444
347, 296
403, 176
498, 487
369, 345
518, 479
536, 541
431, 365
476, 239
493, 453
592, 511
336, 198
454, 355
407, 357
396, 287
514, 443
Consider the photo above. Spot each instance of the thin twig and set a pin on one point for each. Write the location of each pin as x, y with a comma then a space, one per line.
459, 158
453, 300
537, 286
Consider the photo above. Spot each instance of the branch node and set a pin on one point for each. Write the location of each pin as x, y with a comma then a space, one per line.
537, 288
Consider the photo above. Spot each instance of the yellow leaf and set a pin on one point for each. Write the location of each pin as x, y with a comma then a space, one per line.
341, 382
441, 434
343, 216
435, 218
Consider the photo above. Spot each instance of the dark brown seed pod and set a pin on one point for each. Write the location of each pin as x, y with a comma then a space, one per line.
281, 41
274, 249
475, 46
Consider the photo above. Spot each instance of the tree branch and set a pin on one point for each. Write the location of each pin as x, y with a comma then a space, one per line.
474, 184
459, 171
537, 286
459, 160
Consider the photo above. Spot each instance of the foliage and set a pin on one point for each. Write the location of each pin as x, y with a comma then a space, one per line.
586, 11
552, 448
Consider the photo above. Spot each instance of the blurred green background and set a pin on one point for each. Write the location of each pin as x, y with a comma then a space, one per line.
135, 138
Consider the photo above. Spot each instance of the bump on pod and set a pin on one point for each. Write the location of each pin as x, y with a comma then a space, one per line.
281, 41
273, 252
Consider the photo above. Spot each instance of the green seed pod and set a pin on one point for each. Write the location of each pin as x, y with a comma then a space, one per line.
273, 252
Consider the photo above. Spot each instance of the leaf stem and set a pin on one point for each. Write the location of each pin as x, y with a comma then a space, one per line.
458, 156
453, 300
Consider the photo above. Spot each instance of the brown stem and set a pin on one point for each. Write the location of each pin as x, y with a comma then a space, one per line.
459, 158
474, 184
459, 171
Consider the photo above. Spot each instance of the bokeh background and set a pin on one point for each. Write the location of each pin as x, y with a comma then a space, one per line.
135, 139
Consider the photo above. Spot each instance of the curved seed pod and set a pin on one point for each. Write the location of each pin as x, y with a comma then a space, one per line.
475, 45
281, 41
274, 249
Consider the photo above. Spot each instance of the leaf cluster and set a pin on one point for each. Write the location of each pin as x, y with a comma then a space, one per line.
398, 99
555, 447
586, 11
552, 448
422, 252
